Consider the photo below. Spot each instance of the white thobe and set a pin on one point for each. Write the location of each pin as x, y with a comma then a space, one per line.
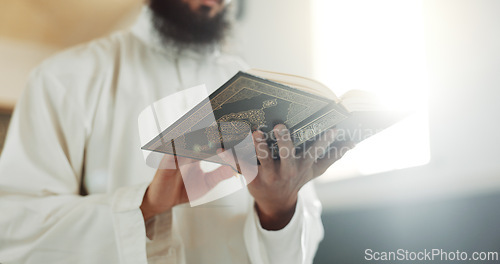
72, 175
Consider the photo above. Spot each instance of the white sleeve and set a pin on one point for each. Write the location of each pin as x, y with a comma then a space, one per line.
295, 243
44, 219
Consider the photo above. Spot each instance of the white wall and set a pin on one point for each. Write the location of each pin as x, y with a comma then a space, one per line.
464, 58
276, 35
464, 62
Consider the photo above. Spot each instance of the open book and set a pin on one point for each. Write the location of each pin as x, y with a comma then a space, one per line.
258, 99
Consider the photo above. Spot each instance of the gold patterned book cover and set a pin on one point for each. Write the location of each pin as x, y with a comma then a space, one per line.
259, 99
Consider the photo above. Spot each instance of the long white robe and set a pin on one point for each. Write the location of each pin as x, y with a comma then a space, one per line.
75, 131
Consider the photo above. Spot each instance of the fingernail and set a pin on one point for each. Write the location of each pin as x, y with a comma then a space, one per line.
281, 130
258, 136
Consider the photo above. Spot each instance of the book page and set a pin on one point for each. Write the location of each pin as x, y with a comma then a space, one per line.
359, 100
301, 83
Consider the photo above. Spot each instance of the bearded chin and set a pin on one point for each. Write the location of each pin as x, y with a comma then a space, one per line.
179, 25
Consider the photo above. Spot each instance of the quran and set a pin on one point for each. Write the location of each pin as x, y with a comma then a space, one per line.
259, 100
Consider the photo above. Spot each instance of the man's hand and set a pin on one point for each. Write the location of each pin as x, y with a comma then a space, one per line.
168, 186
276, 186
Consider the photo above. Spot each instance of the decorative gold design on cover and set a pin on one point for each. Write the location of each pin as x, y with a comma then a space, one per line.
315, 127
235, 126
244, 94
294, 109
269, 103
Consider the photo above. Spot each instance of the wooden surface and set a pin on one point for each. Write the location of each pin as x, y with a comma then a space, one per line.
63, 23
4, 121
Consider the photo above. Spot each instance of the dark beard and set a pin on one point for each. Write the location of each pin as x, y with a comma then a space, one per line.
179, 25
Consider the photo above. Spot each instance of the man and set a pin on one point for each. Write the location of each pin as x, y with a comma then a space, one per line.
74, 187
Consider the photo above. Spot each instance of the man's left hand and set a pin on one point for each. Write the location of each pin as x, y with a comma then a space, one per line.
278, 182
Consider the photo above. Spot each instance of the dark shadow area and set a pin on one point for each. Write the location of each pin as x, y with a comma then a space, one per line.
466, 224
4, 123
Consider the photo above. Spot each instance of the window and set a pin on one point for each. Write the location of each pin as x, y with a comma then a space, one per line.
378, 46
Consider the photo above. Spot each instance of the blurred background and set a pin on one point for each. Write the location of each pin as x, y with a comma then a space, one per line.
431, 181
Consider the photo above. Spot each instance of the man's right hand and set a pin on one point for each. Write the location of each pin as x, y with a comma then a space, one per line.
168, 186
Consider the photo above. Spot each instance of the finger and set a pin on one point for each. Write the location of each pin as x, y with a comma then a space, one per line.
167, 172
168, 162
262, 150
222, 173
227, 157
285, 146
181, 161
335, 153
244, 166
319, 147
